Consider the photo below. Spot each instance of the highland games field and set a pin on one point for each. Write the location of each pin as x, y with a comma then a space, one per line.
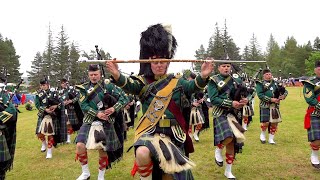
288, 159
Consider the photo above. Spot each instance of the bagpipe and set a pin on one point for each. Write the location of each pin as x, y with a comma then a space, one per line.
281, 89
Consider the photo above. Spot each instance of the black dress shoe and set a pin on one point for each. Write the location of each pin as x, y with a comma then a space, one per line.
263, 142
220, 164
317, 166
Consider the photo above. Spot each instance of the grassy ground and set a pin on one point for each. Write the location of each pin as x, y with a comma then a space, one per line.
288, 159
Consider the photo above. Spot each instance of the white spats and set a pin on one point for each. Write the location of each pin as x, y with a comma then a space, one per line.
85, 173
43, 146
244, 125
263, 136
49, 153
271, 141
314, 157
68, 138
101, 174
195, 135
218, 156
228, 172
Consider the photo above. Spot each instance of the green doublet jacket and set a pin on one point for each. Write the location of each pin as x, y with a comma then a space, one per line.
64, 94
220, 89
9, 110
311, 92
265, 91
91, 107
139, 85
41, 100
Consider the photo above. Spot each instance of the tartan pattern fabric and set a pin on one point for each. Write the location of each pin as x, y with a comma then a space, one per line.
72, 117
222, 130
4, 149
7, 146
264, 115
112, 142
314, 130
142, 141
60, 126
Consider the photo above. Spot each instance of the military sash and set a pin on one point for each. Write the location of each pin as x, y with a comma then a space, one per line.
156, 109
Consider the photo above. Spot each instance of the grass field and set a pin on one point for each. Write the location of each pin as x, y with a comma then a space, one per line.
288, 159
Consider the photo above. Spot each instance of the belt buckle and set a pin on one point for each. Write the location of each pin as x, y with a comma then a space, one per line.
164, 123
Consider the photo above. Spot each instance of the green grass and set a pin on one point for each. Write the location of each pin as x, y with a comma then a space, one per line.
288, 159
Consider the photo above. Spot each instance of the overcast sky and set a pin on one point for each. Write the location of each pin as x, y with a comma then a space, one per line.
116, 25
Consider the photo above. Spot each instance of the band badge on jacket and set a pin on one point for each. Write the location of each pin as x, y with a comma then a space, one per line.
221, 83
157, 106
235, 75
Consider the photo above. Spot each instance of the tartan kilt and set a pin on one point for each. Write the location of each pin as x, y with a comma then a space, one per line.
72, 117
4, 149
60, 126
264, 115
157, 171
314, 130
222, 129
8, 145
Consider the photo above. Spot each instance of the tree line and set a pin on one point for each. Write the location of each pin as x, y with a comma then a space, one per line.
60, 57
9, 60
291, 59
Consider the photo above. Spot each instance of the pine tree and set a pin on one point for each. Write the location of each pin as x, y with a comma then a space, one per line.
316, 44
231, 47
75, 68
200, 54
36, 72
48, 57
254, 54
9, 59
61, 64
273, 52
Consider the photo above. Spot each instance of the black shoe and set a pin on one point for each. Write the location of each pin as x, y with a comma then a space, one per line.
220, 164
317, 166
262, 142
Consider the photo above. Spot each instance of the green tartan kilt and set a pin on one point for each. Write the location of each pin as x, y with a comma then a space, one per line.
112, 142
222, 129
264, 115
7, 146
72, 117
314, 130
4, 149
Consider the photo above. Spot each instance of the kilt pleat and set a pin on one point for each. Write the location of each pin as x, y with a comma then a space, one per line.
264, 115
221, 129
314, 130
